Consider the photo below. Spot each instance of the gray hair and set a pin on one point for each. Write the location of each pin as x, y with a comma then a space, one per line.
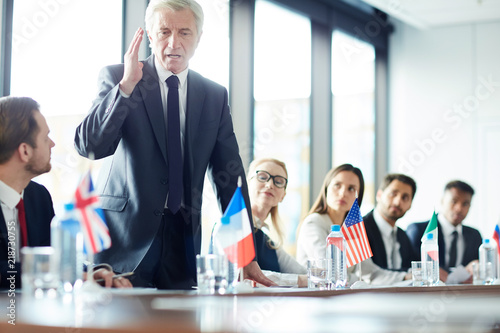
175, 5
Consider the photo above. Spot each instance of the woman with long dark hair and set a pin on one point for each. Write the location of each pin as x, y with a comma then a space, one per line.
340, 188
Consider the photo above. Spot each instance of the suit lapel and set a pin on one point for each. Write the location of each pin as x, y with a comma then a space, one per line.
404, 247
468, 250
441, 246
4, 236
378, 246
150, 91
194, 107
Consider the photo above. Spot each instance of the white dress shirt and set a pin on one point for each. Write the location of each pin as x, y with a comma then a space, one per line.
448, 229
389, 236
163, 75
9, 198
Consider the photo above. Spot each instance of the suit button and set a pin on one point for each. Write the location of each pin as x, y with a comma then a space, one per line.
164, 181
157, 212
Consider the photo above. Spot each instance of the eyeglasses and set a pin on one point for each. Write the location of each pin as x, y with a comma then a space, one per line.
264, 176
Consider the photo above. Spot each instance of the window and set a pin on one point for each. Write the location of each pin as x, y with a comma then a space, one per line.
353, 118
57, 51
212, 56
212, 61
282, 88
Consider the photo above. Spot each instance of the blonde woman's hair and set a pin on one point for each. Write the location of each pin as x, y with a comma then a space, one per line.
275, 218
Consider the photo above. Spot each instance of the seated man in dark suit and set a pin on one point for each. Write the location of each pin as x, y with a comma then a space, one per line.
458, 244
26, 207
390, 246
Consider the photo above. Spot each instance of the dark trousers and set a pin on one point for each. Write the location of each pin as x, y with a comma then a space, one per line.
170, 261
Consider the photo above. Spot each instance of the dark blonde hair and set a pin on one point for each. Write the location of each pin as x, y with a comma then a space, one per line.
275, 218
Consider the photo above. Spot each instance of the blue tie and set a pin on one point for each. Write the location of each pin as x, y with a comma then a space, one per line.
175, 190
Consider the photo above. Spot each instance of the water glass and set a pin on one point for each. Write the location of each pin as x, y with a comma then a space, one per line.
420, 276
476, 276
40, 271
211, 273
319, 273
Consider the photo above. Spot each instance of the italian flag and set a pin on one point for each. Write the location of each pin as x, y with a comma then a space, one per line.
239, 248
432, 228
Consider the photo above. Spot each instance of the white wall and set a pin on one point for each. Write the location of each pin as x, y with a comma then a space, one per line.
433, 75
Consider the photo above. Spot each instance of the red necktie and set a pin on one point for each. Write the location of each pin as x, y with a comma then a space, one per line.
22, 223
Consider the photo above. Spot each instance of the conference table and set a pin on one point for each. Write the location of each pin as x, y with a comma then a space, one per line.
457, 308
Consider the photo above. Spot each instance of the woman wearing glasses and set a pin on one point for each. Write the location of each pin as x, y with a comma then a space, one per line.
267, 181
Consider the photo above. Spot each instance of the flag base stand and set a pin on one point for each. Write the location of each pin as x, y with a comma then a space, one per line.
92, 293
242, 287
360, 285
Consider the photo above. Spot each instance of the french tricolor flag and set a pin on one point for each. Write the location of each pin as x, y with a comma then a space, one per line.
496, 237
239, 248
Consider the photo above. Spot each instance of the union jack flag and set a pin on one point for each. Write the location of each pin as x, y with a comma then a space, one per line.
353, 229
88, 211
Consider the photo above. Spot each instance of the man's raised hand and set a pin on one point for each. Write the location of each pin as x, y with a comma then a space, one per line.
132, 66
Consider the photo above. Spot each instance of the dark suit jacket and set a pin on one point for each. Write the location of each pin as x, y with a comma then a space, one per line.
378, 247
133, 185
472, 240
39, 214
266, 257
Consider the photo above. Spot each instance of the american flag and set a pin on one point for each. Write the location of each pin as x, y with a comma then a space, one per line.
353, 229
95, 231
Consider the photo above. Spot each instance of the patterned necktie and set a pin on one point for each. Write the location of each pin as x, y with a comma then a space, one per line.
175, 176
453, 250
22, 222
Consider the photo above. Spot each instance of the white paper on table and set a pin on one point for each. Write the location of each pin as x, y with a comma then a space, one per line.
458, 275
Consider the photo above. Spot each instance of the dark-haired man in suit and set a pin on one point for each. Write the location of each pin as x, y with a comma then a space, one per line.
24, 154
26, 207
458, 244
390, 245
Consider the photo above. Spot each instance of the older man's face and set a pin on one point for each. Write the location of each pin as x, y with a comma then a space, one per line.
174, 38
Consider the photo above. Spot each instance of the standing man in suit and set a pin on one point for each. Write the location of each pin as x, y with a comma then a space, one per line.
162, 142
390, 245
458, 244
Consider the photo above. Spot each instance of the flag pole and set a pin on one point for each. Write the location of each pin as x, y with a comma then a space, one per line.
90, 267
359, 265
90, 254
242, 278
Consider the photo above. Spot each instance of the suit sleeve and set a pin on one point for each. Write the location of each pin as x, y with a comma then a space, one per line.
225, 160
415, 237
100, 132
